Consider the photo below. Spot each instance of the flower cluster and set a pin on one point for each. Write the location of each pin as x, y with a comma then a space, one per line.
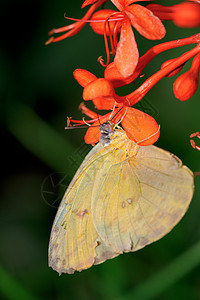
117, 25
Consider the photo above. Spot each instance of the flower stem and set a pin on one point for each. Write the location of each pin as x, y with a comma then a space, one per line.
138, 94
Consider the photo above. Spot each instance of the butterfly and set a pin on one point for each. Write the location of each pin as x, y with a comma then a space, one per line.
122, 198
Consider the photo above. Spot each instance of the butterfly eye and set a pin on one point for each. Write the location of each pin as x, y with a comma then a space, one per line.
106, 128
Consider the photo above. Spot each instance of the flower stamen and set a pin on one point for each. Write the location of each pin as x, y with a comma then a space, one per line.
112, 35
74, 28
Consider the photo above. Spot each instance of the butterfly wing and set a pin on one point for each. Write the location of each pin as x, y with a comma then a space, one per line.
74, 242
140, 199
118, 203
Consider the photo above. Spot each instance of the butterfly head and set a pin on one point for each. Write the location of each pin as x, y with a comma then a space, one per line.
106, 130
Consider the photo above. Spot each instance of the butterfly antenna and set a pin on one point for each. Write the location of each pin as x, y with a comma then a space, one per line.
97, 112
119, 111
122, 117
76, 126
125, 111
149, 136
110, 118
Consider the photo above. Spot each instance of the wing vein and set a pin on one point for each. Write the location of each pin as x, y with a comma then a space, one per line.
138, 201
128, 207
155, 170
118, 208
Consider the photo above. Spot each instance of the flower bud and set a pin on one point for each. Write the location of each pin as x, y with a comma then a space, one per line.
186, 84
99, 27
187, 15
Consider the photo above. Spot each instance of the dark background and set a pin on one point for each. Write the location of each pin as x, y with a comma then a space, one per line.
38, 91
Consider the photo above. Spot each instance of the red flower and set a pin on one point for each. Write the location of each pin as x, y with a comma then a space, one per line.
139, 126
112, 74
109, 22
141, 18
127, 65
101, 91
138, 94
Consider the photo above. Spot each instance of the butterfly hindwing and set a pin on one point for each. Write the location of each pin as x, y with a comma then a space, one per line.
141, 198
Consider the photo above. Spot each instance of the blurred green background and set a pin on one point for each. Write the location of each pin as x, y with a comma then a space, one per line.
37, 92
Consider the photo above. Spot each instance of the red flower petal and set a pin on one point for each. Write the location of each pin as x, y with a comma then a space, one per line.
140, 127
128, 2
197, 1
120, 4
83, 77
146, 23
88, 2
92, 134
127, 55
102, 103
98, 88
112, 74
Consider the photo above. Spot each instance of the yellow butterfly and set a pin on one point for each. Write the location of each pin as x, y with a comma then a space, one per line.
122, 198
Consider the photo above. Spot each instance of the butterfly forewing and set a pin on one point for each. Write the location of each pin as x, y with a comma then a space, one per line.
75, 243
